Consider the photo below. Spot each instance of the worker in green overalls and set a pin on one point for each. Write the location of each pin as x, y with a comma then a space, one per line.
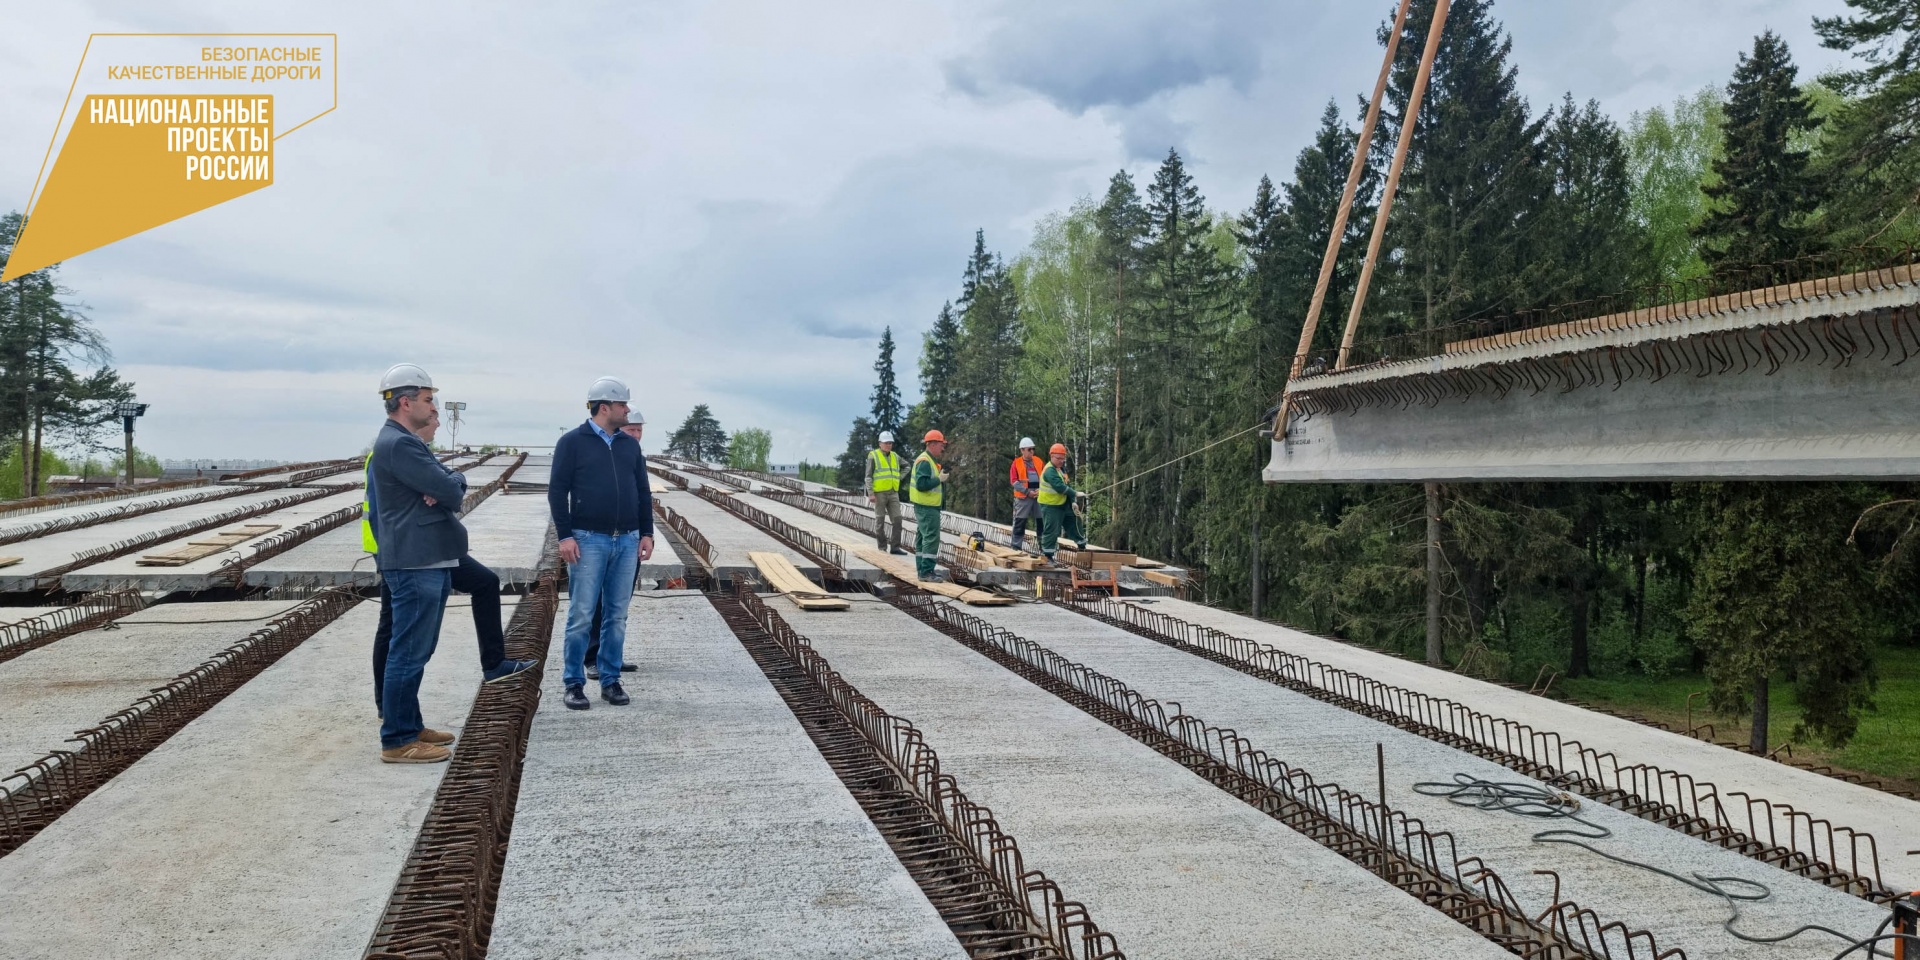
928, 496
1057, 497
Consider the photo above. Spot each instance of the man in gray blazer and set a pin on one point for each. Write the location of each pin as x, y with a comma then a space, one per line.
421, 542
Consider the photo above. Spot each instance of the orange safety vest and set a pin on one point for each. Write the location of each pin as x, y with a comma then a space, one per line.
1025, 477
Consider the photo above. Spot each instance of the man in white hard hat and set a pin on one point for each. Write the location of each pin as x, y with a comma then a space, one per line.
884, 473
637, 429
1024, 477
602, 509
421, 543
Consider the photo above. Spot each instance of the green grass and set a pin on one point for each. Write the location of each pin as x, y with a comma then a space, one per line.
1887, 744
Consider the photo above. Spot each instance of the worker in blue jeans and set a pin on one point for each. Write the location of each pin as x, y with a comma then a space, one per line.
602, 506
421, 543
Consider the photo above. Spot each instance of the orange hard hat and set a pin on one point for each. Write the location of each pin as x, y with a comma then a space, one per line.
1059, 448
934, 436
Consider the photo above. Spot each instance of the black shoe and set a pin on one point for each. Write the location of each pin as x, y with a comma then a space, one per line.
507, 668
612, 693
593, 673
629, 667
577, 697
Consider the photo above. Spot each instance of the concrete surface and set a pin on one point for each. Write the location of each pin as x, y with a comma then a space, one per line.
48, 694
1813, 417
200, 574
57, 550
1171, 865
1334, 745
507, 532
857, 569
16, 523
332, 558
698, 822
1894, 821
267, 828
732, 538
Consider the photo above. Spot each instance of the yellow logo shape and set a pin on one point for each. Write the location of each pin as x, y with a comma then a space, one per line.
132, 163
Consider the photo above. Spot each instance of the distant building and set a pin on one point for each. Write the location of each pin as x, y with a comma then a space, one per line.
784, 469
211, 469
74, 483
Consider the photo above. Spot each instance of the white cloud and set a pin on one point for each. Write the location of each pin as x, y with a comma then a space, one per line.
723, 201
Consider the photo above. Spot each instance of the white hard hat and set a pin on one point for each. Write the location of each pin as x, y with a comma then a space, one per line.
1026, 442
636, 417
609, 388
403, 375
886, 436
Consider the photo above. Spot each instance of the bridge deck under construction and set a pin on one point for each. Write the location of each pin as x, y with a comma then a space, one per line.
1071, 775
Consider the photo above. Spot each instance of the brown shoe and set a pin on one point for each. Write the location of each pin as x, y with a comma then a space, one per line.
438, 738
415, 752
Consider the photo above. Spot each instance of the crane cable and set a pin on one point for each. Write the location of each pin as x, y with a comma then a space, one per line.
1154, 469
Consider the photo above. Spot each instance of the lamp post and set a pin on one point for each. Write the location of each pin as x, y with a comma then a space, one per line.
453, 422
129, 412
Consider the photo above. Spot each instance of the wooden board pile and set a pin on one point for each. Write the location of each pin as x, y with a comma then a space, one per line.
199, 549
904, 570
782, 575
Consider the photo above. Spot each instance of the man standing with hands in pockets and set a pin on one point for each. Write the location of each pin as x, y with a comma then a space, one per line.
602, 509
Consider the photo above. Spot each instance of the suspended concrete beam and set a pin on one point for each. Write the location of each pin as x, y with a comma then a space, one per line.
1800, 381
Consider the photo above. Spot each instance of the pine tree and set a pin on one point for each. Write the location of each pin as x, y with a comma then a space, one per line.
988, 385
1779, 594
699, 437
1589, 243
1869, 155
1764, 203
1461, 241
887, 410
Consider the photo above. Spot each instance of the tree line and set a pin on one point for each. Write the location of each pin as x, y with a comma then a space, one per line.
1142, 326
57, 389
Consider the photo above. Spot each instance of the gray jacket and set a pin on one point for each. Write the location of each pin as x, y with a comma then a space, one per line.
412, 534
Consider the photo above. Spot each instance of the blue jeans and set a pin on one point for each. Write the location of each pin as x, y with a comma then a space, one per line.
419, 602
603, 580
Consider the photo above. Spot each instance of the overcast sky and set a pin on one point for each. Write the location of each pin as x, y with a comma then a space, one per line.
723, 202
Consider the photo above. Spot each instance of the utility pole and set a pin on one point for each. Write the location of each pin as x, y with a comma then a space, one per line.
130, 411
1436, 653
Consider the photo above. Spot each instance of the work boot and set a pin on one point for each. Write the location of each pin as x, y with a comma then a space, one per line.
626, 667
507, 668
576, 698
612, 694
415, 752
593, 672
438, 738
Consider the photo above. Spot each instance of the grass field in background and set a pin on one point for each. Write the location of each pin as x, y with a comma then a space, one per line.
1887, 745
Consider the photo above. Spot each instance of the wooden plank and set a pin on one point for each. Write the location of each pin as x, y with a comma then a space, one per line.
201, 549
1163, 579
1089, 558
10, 561
904, 570
782, 575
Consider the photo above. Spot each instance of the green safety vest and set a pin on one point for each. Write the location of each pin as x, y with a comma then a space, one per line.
1050, 497
367, 541
926, 498
886, 470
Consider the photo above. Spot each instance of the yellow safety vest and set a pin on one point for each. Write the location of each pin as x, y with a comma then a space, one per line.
886, 470
926, 498
1050, 497
367, 541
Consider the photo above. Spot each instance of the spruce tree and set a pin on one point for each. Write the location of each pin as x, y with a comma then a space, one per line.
988, 382
699, 437
887, 410
1869, 156
1589, 243
1764, 202
1120, 224
939, 372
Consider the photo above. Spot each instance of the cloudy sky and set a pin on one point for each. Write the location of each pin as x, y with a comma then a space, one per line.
724, 202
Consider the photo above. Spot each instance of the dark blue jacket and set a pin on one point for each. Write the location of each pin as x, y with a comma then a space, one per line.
412, 534
599, 488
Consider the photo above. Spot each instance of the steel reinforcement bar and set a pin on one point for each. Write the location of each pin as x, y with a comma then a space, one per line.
720, 478
1388, 843
442, 904
233, 570
40, 792
125, 511
1776, 834
122, 548
691, 538
90, 611
831, 557
478, 496
661, 474
55, 501
970, 869
840, 513
333, 466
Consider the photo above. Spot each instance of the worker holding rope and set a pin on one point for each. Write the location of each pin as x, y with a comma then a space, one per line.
928, 494
1059, 505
